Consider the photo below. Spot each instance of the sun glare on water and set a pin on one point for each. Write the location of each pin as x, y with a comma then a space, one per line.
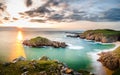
18, 49
20, 36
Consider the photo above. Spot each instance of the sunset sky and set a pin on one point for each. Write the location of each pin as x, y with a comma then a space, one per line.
64, 14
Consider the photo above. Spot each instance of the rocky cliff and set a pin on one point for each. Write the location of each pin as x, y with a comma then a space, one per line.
111, 60
101, 35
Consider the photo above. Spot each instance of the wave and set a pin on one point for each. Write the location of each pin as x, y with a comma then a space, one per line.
88, 40
95, 42
70, 46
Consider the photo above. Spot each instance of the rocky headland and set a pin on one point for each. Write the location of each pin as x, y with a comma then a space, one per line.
111, 60
42, 42
99, 35
42, 66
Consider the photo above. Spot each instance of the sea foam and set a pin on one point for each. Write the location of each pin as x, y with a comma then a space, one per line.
70, 46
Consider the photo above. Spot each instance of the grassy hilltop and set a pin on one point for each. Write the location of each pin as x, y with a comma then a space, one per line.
101, 35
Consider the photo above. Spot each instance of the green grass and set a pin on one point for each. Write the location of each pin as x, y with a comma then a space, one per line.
117, 72
105, 32
39, 40
117, 50
41, 65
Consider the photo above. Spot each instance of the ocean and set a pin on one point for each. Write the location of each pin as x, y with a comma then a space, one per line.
80, 54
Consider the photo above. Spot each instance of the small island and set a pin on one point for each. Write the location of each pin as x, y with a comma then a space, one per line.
111, 60
42, 42
99, 35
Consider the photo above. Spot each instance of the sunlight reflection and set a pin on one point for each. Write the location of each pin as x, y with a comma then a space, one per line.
20, 36
17, 48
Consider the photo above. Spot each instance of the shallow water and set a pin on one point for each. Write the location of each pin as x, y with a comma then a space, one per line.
80, 54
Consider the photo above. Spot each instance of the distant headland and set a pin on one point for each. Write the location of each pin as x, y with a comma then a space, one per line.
99, 35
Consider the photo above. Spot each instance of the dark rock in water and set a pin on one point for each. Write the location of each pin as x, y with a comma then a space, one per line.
73, 35
41, 42
58, 44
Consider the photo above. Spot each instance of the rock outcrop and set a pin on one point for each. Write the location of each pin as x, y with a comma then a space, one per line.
111, 60
101, 35
21, 58
42, 42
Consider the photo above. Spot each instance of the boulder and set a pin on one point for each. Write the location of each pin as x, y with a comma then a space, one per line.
43, 73
69, 71
21, 58
44, 58
110, 60
25, 73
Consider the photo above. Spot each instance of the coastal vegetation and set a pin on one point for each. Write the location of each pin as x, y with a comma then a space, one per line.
43, 66
42, 42
111, 60
99, 35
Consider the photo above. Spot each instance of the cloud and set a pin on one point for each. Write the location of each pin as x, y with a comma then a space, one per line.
49, 7
28, 3
38, 20
57, 10
3, 13
71, 10
2, 7
57, 17
112, 14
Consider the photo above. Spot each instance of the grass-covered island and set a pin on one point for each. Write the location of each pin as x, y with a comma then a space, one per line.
111, 60
100, 35
43, 66
41, 42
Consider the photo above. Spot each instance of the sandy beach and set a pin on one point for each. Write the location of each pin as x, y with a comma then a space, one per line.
117, 43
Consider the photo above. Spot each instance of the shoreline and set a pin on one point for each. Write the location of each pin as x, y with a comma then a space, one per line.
98, 65
108, 71
117, 43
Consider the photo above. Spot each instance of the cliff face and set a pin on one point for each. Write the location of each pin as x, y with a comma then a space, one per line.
101, 35
111, 60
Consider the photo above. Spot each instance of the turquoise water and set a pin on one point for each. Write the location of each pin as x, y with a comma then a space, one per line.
78, 54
